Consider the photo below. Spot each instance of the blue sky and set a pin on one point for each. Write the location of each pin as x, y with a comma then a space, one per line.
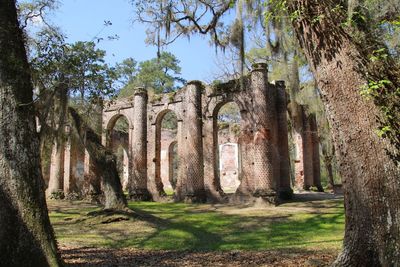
81, 20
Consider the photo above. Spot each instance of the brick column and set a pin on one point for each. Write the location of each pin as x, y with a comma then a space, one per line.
315, 147
67, 162
246, 160
151, 160
138, 182
307, 153
285, 191
194, 144
56, 168
264, 117
211, 171
180, 190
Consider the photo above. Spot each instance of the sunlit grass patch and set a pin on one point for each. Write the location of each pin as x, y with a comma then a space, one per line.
311, 225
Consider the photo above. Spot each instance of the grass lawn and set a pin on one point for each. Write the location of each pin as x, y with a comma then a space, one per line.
307, 224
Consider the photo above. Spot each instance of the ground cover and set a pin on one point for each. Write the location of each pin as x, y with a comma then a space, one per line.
307, 231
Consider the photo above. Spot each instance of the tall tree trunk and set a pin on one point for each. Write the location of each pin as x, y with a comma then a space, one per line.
58, 136
329, 170
328, 157
370, 178
26, 235
105, 164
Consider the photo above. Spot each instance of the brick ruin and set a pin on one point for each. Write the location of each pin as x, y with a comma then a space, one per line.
258, 156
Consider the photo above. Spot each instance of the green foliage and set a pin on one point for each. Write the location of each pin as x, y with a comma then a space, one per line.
229, 113
59, 194
154, 97
374, 88
122, 125
127, 70
161, 75
275, 9
222, 125
170, 121
385, 92
66, 74
79, 65
235, 129
229, 118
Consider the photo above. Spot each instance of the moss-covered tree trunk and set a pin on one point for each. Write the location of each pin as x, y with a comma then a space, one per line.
104, 164
26, 236
371, 180
58, 138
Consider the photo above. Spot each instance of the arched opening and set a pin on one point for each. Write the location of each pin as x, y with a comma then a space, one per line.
173, 164
166, 151
226, 133
118, 142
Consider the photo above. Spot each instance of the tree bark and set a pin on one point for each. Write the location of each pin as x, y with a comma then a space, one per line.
105, 164
329, 170
328, 157
26, 235
370, 178
58, 137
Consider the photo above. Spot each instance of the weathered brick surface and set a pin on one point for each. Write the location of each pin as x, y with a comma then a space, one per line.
307, 162
285, 189
194, 143
138, 183
264, 115
263, 162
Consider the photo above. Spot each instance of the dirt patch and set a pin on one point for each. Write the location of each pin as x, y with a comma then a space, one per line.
75, 256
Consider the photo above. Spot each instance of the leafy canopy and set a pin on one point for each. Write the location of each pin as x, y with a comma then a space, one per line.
161, 75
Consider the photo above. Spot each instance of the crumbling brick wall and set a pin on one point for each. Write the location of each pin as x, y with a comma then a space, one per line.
263, 165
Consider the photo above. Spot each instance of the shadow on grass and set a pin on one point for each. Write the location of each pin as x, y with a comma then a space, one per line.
183, 227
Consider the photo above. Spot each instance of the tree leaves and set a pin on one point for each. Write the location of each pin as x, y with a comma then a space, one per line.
162, 75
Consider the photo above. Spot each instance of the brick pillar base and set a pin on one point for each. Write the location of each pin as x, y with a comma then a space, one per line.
198, 196
140, 194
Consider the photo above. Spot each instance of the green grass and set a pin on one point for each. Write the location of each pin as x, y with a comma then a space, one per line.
176, 226
169, 192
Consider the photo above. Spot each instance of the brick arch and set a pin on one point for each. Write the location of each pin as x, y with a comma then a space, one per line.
264, 149
158, 114
161, 114
216, 163
124, 142
220, 104
110, 123
158, 121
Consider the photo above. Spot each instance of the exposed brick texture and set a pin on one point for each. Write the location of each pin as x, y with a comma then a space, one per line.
194, 189
138, 183
307, 162
262, 164
285, 190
